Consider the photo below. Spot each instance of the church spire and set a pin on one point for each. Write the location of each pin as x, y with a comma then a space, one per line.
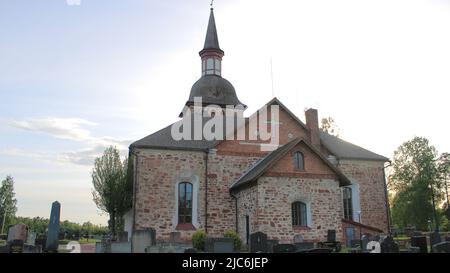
211, 53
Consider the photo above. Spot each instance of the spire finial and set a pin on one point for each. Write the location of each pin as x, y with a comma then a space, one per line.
212, 4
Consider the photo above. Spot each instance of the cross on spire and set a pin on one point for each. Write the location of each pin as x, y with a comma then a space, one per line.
212, 4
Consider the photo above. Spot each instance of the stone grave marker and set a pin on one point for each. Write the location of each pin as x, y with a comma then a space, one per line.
175, 237
53, 228
271, 244
31, 239
120, 247
123, 237
16, 246
298, 238
17, 232
420, 242
219, 245
443, 247
364, 242
142, 239
435, 238
258, 242
284, 248
388, 245
304, 246
331, 235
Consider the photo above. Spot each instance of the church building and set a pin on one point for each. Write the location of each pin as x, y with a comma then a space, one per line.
308, 183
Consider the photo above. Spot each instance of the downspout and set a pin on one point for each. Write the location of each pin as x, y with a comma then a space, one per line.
388, 209
206, 191
236, 211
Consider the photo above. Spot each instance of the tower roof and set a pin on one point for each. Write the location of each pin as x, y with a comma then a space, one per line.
211, 40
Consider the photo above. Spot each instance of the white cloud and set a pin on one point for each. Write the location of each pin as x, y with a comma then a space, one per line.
72, 129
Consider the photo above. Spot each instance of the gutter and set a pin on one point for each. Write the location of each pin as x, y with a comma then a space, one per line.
206, 191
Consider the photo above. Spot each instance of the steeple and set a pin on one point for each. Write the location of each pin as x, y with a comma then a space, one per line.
211, 53
211, 87
212, 40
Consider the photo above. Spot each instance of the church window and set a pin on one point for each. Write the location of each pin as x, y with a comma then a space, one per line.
299, 214
185, 203
348, 203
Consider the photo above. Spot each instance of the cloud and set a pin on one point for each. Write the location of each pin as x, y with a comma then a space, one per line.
73, 129
63, 128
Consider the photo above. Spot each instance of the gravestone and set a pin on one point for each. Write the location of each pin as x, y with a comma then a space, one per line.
388, 245
53, 228
331, 235
175, 237
16, 246
364, 242
123, 237
17, 232
190, 250
304, 246
143, 239
258, 242
31, 239
121, 247
443, 247
420, 242
284, 248
219, 245
270, 245
298, 239
435, 238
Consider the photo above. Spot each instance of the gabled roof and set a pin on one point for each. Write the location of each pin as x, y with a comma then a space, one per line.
346, 150
261, 166
276, 101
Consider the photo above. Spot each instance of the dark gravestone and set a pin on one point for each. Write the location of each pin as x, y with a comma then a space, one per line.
219, 245
298, 239
435, 238
284, 248
420, 242
123, 237
443, 247
331, 235
388, 245
271, 244
364, 242
303, 246
258, 242
190, 250
16, 246
175, 237
53, 228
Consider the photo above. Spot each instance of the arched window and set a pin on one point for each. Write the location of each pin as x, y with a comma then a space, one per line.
348, 203
184, 203
299, 162
299, 216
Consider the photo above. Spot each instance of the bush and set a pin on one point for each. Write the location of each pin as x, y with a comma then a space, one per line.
198, 239
237, 239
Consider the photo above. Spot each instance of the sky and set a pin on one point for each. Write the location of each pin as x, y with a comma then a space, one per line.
79, 75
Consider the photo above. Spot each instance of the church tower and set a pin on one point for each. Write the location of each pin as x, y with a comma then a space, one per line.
212, 87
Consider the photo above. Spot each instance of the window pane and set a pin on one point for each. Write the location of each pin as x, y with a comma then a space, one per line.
298, 161
210, 64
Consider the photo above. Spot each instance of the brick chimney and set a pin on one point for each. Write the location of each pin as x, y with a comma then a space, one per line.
312, 122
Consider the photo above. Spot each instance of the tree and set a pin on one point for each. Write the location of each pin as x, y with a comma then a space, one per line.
417, 183
328, 125
112, 191
8, 204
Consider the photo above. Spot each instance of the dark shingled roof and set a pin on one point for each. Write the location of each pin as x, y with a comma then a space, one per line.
346, 150
261, 166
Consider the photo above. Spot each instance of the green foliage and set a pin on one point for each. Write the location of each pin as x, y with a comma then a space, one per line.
113, 189
198, 239
69, 229
417, 181
8, 204
328, 125
237, 239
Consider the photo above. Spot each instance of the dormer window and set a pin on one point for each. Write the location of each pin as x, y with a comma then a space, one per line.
211, 66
